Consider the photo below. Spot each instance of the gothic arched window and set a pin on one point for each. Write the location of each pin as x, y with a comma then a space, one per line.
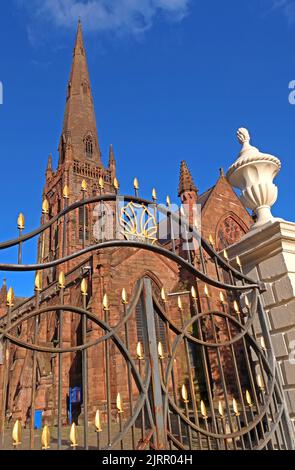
230, 231
89, 146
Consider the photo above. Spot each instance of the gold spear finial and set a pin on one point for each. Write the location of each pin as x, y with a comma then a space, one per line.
154, 194
193, 293
259, 382
17, 433
236, 407
124, 297
221, 297
168, 201
184, 394
97, 422
119, 403
10, 297
74, 436
21, 222
66, 192
136, 184
105, 302
163, 295
84, 185
236, 307
45, 438
249, 398
61, 280
139, 351
84, 286
204, 410
220, 409
45, 207
116, 184
160, 350
38, 282
262, 343
179, 303
101, 183
211, 241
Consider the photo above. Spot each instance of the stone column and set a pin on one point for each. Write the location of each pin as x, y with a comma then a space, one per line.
268, 255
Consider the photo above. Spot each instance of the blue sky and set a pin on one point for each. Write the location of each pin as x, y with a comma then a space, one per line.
172, 80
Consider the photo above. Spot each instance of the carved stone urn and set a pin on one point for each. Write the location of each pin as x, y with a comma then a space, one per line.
253, 173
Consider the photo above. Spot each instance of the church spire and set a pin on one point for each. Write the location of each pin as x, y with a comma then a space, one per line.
79, 138
186, 183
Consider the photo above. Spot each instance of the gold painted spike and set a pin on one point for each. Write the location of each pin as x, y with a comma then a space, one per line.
154, 194
119, 403
236, 307
139, 351
193, 293
97, 422
206, 290
84, 185
179, 303
21, 221
247, 303
101, 182
211, 241
236, 407
66, 192
221, 297
84, 286
184, 393
45, 207
116, 184
163, 295
220, 409
61, 280
136, 184
168, 201
160, 350
17, 433
225, 255
10, 297
124, 297
262, 343
238, 261
248, 398
74, 436
204, 410
259, 382
38, 282
45, 438
105, 302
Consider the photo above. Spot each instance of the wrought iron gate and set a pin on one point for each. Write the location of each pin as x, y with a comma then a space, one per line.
192, 369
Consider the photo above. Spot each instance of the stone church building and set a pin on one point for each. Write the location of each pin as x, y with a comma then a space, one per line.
80, 174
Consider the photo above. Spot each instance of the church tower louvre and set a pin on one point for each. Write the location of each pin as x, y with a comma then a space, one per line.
80, 164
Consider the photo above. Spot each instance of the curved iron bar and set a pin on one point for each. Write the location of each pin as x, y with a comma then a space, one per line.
132, 244
136, 412
269, 367
184, 334
112, 197
244, 430
218, 313
274, 427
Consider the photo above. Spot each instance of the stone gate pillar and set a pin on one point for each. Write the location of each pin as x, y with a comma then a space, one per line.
267, 254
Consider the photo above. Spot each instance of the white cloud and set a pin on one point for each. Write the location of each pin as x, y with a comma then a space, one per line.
132, 16
285, 6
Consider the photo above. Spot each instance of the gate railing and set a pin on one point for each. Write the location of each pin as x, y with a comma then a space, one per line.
213, 384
